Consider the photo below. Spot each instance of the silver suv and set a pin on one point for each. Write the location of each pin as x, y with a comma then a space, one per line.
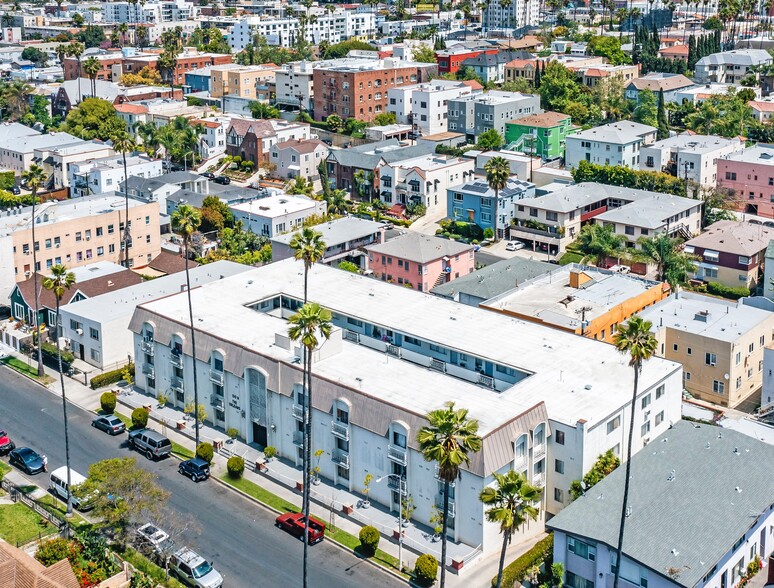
193, 570
150, 443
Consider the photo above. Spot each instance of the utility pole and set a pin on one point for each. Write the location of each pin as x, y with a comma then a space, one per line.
582, 312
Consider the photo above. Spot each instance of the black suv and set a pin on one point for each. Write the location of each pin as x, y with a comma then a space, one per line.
224, 180
196, 468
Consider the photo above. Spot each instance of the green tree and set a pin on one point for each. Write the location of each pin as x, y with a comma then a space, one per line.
498, 171
448, 439
78, 19
91, 36
385, 118
92, 66
490, 140
334, 122
605, 464
260, 110
661, 118
308, 246
34, 176
609, 48
35, 55
216, 215
300, 185
635, 339
673, 263
340, 50
58, 282
646, 111
600, 241
185, 222
124, 144
511, 503
424, 54
94, 118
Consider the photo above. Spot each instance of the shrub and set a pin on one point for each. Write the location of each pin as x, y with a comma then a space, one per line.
7, 180
108, 402
140, 418
50, 552
50, 349
518, 569
232, 433
734, 293
235, 466
426, 570
111, 377
369, 540
270, 452
205, 451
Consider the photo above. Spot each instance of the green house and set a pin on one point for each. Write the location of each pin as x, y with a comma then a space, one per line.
542, 135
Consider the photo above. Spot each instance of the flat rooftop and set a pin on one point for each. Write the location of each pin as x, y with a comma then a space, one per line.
274, 206
651, 212
695, 143
340, 230
551, 299
29, 143
95, 270
761, 153
577, 378
709, 317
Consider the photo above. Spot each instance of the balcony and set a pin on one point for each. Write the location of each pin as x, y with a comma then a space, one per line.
340, 430
148, 346
216, 376
176, 360
177, 385
298, 412
298, 438
218, 401
397, 484
529, 233
149, 370
439, 504
539, 479
538, 451
397, 454
340, 458
520, 462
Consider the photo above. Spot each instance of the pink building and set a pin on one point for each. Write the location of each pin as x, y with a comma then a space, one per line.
750, 174
419, 261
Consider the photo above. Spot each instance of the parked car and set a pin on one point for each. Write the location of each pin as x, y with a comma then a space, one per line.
514, 245
15, 190
328, 142
58, 486
150, 443
109, 423
197, 469
193, 570
621, 269
5, 312
151, 539
27, 460
209, 175
6, 444
293, 523
225, 180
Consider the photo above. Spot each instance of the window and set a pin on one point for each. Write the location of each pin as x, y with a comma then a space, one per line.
94, 333
111, 229
731, 175
659, 418
48, 243
646, 402
659, 391
558, 495
718, 387
687, 375
613, 424
581, 549
689, 351
743, 260
95, 355
559, 466
645, 429
738, 357
575, 581
99, 231
559, 437
629, 230
710, 358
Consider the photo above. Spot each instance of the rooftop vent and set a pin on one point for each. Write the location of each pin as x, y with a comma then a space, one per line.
702, 316
671, 476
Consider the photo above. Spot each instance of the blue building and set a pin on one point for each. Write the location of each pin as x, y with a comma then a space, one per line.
474, 202
198, 80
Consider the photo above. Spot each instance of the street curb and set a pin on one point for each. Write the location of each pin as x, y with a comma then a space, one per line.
30, 378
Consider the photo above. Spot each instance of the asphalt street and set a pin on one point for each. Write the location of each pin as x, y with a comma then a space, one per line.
238, 536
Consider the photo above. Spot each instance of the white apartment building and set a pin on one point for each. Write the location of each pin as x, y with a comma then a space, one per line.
689, 156
612, 144
17, 152
547, 403
730, 67
212, 141
423, 180
294, 85
148, 12
276, 215
426, 106
56, 161
515, 15
96, 176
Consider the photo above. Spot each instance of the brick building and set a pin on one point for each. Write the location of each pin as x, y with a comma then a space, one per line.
252, 139
358, 88
450, 60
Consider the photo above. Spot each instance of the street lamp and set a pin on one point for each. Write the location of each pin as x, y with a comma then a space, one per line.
403, 492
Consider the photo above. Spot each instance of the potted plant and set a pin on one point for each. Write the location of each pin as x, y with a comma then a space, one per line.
436, 521
162, 398
188, 410
407, 509
270, 453
366, 489
232, 434
316, 470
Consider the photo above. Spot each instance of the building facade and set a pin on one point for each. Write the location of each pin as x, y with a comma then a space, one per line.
473, 202
474, 115
749, 176
425, 106
542, 135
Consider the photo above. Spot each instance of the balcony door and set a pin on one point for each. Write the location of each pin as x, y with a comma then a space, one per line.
256, 383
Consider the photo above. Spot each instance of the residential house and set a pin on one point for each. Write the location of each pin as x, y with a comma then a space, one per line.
749, 175
276, 215
450, 60
668, 83
345, 240
476, 114
212, 141
698, 94
689, 156
160, 188
731, 252
252, 139
591, 77
521, 69
425, 106
104, 174
719, 343
56, 160
386, 132
731, 67
542, 135
474, 202
252, 82
521, 165
299, 158
17, 152
491, 67
422, 180
72, 92
611, 144
371, 366
586, 301
19, 569
132, 115
763, 109
676, 52
670, 494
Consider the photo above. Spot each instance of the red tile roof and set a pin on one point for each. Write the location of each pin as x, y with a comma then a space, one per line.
127, 108
473, 84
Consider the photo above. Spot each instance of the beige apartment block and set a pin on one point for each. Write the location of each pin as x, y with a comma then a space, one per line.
245, 81
720, 344
75, 233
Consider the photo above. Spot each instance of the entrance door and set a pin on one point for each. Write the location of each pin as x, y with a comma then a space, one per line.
257, 388
80, 351
260, 435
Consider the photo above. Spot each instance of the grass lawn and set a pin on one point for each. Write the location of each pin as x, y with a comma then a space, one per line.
181, 451
20, 525
28, 370
570, 257
59, 508
4, 469
149, 568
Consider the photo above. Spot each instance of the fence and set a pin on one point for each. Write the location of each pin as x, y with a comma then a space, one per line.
17, 495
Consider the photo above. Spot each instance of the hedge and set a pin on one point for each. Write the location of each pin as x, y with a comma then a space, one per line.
108, 402
50, 350
140, 417
426, 570
517, 570
369, 539
109, 377
235, 466
205, 451
734, 293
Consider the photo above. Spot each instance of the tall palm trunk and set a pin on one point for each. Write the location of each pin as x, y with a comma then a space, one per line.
506, 538
625, 503
64, 410
35, 286
307, 457
443, 536
496, 202
126, 226
193, 344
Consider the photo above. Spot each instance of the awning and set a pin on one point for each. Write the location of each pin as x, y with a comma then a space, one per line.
711, 255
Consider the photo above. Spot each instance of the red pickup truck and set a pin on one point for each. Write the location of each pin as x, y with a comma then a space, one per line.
6, 445
293, 523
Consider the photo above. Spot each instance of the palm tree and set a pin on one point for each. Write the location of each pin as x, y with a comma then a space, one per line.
510, 504
498, 170
123, 143
185, 221
148, 134
123, 28
448, 440
92, 66
58, 282
35, 176
308, 246
307, 325
76, 50
635, 339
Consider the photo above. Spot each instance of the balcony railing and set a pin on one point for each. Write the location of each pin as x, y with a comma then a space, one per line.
538, 451
439, 504
216, 376
397, 454
539, 479
218, 401
397, 484
519, 462
176, 359
177, 385
340, 430
341, 458
148, 346
298, 438
298, 412
149, 370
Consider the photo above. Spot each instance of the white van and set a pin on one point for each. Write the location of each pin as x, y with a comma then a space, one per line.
58, 486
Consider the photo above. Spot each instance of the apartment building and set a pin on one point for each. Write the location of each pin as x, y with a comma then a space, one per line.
105, 174
731, 67
358, 88
668, 83
749, 175
611, 144
294, 83
731, 252
252, 139
422, 180
472, 115
593, 76
148, 12
450, 60
426, 106
75, 233
73, 92
276, 215
57, 160
491, 67
518, 15
212, 141
473, 202
298, 158
366, 410
542, 135
17, 152
719, 343
689, 156
252, 82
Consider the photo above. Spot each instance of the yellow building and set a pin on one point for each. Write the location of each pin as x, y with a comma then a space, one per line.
255, 82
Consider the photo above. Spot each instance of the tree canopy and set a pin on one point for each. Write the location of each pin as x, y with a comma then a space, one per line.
342, 49
93, 118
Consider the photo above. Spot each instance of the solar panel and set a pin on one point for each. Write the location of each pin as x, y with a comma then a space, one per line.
477, 188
